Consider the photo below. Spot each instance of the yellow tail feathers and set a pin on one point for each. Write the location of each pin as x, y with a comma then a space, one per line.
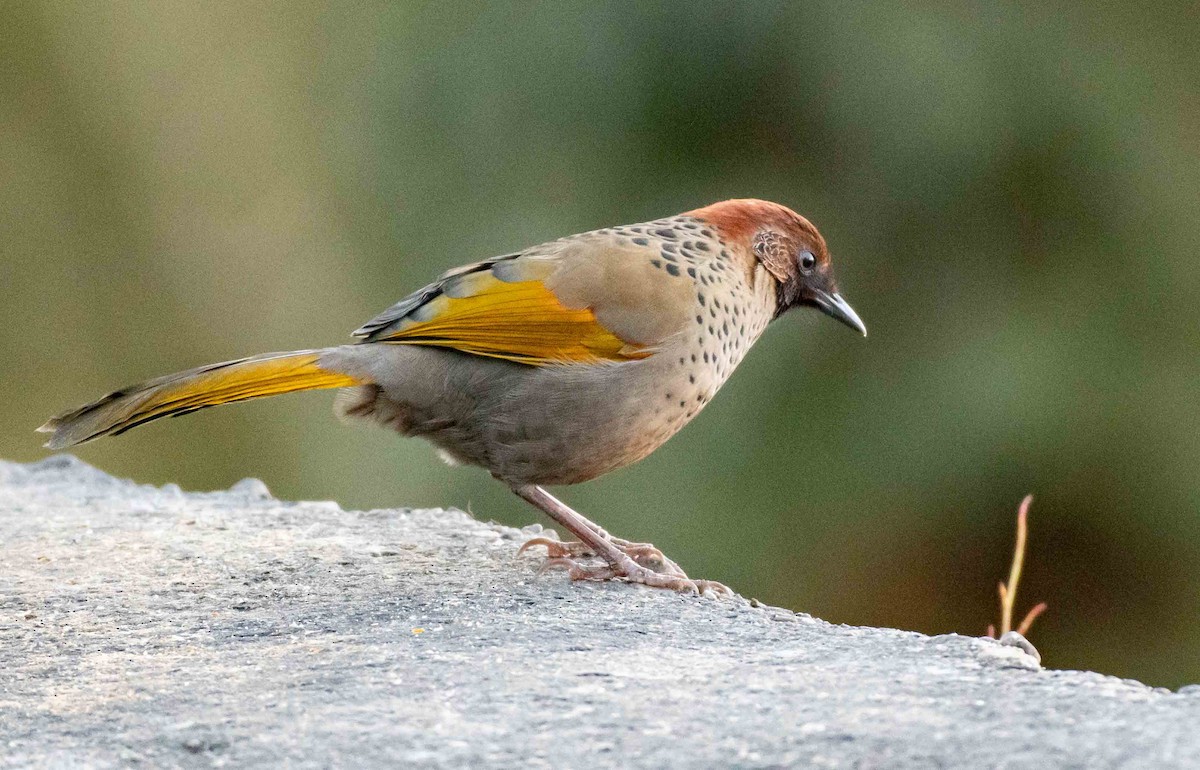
256, 377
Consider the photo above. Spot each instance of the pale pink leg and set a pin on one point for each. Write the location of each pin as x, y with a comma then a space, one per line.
624, 560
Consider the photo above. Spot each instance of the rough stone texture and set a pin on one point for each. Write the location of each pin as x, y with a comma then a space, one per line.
145, 626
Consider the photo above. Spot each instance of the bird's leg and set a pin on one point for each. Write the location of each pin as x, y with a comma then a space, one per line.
646, 549
645, 554
565, 553
620, 564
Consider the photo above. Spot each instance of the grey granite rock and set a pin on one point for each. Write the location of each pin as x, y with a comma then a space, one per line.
143, 626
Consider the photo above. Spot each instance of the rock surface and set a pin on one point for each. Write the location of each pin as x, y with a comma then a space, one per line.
143, 626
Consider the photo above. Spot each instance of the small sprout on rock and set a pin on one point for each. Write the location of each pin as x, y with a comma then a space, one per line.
1008, 591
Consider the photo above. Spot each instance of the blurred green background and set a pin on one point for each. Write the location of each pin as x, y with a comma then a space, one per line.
1011, 193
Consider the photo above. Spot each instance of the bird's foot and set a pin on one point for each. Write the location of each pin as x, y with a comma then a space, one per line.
642, 563
635, 573
643, 554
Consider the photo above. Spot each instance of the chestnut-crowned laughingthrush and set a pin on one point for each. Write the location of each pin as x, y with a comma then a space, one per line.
552, 365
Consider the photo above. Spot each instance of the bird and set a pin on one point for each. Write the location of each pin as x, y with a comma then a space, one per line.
549, 366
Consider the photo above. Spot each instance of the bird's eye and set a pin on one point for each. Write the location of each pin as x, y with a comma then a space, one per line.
807, 262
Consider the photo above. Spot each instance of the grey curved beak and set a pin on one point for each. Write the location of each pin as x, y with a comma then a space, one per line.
834, 306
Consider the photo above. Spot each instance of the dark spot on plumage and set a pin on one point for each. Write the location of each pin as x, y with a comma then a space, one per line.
642, 241
702, 246
699, 319
700, 297
706, 356
682, 404
681, 360
691, 272
724, 254
666, 232
670, 248
725, 328
656, 263
706, 233
673, 269
692, 378
712, 312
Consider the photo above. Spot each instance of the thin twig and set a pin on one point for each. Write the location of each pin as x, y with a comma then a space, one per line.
1031, 616
1008, 591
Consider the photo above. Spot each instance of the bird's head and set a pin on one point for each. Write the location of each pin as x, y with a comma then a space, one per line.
791, 250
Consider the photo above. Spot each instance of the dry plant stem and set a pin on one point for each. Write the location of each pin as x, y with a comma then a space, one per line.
1008, 593
1031, 616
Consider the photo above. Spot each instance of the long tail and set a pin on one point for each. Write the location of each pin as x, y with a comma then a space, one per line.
267, 375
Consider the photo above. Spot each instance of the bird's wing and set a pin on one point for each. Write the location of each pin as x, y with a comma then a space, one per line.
585, 299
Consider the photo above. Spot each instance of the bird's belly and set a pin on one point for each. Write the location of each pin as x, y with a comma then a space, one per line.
567, 425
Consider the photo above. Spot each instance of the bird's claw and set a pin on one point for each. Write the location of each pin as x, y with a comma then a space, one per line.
556, 549
643, 554
644, 564
577, 571
713, 588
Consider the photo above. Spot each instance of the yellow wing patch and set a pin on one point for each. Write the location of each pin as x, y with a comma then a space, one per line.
519, 321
